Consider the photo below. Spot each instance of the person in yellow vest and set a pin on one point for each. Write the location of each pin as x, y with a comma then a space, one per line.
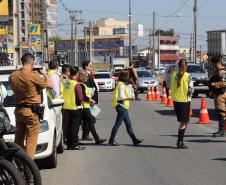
73, 101
87, 117
182, 88
65, 76
121, 102
55, 79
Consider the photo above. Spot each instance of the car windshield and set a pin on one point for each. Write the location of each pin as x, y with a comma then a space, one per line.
102, 75
195, 69
142, 74
9, 99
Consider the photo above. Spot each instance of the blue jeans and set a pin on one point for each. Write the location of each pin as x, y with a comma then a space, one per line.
122, 115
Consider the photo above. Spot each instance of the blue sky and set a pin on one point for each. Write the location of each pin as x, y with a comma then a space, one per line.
212, 14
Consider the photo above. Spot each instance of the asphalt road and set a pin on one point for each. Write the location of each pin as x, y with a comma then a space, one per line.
155, 162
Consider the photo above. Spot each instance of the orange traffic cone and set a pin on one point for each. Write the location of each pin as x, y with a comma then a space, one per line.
190, 113
153, 93
164, 97
157, 94
149, 95
170, 101
204, 116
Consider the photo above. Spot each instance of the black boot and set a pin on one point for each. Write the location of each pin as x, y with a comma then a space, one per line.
180, 142
218, 134
135, 140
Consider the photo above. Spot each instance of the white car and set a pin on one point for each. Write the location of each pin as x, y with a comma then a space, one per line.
104, 80
50, 139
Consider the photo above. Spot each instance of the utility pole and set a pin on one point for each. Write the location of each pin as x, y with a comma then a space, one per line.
159, 53
16, 33
72, 18
130, 32
90, 41
190, 50
153, 48
195, 9
85, 45
200, 53
149, 49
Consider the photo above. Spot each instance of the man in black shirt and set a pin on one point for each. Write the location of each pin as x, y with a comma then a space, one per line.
87, 66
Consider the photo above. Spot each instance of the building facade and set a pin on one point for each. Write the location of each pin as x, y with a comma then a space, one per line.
216, 42
51, 13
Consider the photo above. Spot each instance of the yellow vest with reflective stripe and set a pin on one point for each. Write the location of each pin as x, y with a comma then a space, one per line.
69, 95
50, 92
180, 94
88, 94
115, 96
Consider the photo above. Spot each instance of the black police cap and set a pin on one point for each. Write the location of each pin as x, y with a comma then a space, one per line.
216, 59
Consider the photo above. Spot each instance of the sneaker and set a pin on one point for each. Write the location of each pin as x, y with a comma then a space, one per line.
218, 134
100, 141
181, 145
137, 142
113, 143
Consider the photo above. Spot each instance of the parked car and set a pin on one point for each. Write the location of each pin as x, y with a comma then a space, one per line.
105, 80
50, 139
197, 73
145, 80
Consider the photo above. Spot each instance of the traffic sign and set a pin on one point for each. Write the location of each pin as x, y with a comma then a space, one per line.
34, 29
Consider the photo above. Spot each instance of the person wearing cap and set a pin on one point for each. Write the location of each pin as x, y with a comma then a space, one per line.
121, 102
217, 84
73, 103
181, 88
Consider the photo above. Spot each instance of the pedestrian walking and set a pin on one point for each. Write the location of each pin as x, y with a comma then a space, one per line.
121, 103
90, 83
65, 76
182, 88
73, 104
133, 77
87, 117
217, 84
26, 85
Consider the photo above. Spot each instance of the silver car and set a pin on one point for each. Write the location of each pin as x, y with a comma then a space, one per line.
197, 73
145, 80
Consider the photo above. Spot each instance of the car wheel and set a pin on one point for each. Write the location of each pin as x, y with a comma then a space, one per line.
60, 148
51, 161
195, 94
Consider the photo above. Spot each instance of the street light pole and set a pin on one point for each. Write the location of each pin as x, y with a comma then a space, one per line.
195, 30
153, 48
130, 32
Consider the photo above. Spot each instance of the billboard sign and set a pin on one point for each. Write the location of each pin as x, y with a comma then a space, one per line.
34, 29
4, 9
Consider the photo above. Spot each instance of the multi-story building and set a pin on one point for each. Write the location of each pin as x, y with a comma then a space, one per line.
103, 47
216, 41
168, 50
51, 12
24, 19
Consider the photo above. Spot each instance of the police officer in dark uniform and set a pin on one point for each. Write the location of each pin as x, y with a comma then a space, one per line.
217, 84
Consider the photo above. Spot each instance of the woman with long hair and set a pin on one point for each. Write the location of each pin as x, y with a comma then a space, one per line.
120, 102
182, 88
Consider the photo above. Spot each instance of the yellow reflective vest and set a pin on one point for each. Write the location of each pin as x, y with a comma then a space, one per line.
115, 96
69, 95
50, 92
180, 94
88, 94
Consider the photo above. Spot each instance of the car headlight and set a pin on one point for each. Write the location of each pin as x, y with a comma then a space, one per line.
109, 82
44, 126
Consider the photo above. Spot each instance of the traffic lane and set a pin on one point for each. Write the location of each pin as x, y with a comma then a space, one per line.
156, 161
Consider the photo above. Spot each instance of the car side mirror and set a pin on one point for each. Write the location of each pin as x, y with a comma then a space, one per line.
57, 102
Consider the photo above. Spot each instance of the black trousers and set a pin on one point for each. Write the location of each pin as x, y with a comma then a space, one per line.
89, 121
74, 121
